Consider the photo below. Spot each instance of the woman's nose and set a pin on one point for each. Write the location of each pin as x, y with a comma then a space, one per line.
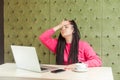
63, 28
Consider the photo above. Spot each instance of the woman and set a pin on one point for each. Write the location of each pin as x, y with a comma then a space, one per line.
69, 49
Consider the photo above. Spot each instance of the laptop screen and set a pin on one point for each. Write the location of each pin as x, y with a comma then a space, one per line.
26, 58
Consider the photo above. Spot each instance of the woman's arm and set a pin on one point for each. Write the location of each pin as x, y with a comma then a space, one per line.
92, 59
47, 40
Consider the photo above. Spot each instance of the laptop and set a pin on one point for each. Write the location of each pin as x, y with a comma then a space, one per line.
26, 58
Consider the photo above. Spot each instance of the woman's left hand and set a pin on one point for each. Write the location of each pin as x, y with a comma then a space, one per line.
70, 67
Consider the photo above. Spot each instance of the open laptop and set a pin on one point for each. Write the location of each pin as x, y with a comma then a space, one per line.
26, 58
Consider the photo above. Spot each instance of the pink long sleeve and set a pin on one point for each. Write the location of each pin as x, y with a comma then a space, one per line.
48, 41
86, 54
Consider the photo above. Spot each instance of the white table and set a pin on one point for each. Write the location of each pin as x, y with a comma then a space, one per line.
8, 71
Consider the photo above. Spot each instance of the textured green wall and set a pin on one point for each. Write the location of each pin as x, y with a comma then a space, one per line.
98, 21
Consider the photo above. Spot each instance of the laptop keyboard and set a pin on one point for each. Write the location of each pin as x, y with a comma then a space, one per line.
42, 68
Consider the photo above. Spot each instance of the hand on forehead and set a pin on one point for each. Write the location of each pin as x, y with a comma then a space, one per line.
65, 22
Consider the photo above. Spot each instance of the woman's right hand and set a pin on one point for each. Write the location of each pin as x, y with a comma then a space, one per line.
58, 26
63, 23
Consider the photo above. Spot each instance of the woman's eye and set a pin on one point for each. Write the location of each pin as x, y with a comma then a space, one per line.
66, 27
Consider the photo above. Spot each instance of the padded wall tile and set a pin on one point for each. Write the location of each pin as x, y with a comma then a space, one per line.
110, 36
24, 22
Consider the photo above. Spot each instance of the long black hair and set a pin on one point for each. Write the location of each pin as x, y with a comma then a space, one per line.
73, 54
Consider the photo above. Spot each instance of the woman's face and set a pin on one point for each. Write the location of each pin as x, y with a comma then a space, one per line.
67, 29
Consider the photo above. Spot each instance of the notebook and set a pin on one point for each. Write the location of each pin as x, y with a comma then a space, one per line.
26, 58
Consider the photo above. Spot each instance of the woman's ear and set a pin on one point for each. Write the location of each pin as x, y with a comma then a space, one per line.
73, 31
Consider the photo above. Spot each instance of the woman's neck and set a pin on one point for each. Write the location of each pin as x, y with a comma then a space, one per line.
68, 39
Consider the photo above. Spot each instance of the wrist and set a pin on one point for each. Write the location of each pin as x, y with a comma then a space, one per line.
56, 28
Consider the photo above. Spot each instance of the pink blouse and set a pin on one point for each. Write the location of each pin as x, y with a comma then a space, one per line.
86, 54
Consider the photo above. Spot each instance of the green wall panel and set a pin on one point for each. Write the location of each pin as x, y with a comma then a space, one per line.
24, 21
110, 35
98, 22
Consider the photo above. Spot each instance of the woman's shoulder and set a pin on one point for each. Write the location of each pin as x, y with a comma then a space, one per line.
83, 43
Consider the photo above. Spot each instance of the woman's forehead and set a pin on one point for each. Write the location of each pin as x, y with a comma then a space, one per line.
67, 23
